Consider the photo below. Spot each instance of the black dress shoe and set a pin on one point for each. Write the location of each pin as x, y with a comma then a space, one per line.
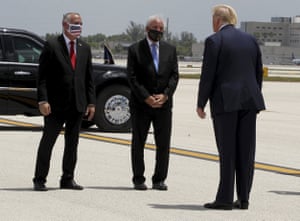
39, 187
70, 184
160, 186
240, 204
216, 205
141, 186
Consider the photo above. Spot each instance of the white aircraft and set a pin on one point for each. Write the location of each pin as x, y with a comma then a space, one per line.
296, 61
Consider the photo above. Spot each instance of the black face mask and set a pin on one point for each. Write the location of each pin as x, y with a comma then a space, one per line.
155, 35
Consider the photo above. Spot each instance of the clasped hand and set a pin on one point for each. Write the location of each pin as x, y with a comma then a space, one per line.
156, 100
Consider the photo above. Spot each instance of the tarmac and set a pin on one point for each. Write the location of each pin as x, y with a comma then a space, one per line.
104, 169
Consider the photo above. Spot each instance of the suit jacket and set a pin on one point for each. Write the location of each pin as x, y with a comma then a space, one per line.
143, 78
231, 77
58, 83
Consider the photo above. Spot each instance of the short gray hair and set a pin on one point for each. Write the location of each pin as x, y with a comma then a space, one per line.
67, 16
153, 18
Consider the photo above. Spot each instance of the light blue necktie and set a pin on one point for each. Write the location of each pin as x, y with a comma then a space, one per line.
154, 56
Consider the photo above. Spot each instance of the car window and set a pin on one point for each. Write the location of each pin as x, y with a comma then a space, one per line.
1, 54
1, 50
26, 50
9, 49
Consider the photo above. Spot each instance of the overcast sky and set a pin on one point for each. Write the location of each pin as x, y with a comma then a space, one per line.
113, 16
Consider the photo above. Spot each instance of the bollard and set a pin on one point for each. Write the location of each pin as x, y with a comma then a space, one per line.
265, 71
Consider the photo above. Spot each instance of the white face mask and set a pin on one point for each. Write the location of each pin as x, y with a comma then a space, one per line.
75, 30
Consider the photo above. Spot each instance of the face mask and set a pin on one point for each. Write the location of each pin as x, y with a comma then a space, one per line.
75, 30
155, 35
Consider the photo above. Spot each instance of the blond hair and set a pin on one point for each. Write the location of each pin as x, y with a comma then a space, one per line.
226, 13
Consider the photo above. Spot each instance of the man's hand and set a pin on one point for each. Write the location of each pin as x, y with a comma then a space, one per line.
156, 100
90, 112
160, 98
45, 108
201, 113
152, 102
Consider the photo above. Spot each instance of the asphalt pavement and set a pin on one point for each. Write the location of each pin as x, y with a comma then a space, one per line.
104, 170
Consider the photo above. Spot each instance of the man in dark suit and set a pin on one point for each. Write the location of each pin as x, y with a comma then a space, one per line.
65, 95
153, 76
232, 79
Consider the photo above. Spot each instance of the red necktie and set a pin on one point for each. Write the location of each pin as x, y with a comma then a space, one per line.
72, 54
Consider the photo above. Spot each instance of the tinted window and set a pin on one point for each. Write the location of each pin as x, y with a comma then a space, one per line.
9, 50
1, 50
27, 51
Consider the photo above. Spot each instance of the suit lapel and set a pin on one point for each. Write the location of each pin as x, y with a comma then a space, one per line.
79, 53
162, 54
65, 51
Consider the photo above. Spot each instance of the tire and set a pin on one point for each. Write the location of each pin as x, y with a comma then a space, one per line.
112, 109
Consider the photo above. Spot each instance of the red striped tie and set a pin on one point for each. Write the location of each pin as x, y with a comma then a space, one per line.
72, 54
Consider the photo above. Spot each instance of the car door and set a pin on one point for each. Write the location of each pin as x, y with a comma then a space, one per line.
3, 80
22, 56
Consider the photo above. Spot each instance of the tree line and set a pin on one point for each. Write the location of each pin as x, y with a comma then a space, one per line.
135, 32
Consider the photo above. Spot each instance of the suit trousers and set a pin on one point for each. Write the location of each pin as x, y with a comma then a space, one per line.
52, 127
235, 134
161, 119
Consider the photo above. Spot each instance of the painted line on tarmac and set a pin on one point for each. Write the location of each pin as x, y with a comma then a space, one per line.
173, 150
17, 123
195, 154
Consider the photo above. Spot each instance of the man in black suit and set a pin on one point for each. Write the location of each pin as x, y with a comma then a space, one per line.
65, 95
153, 76
232, 79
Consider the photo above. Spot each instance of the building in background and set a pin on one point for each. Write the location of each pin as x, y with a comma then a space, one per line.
279, 39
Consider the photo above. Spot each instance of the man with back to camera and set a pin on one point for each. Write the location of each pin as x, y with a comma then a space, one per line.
153, 76
231, 79
65, 94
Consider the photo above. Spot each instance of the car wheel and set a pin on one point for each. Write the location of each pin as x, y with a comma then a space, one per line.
112, 109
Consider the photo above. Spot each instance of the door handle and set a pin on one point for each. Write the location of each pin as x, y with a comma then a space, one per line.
22, 73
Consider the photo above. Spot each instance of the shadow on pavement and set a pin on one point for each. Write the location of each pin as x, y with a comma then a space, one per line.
285, 192
109, 188
178, 206
26, 189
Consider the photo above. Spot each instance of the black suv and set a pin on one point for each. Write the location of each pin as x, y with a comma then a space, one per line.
19, 57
